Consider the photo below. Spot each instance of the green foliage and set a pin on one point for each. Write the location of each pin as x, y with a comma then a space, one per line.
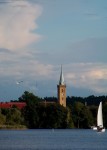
27, 96
39, 115
105, 114
2, 118
90, 100
31, 114
79, 113
56, 116
50, 99
70, 123
93, 109
82, 116
13, 116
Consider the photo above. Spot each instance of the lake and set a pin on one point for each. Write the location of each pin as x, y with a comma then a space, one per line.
53, 139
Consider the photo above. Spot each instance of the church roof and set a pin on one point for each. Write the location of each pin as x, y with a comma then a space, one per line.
61, 81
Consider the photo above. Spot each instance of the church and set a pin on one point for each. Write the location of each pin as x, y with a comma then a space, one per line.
61, 90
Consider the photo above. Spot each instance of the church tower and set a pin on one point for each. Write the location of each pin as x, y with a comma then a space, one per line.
61, 90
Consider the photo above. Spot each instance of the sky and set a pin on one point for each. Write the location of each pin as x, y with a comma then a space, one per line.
38, 36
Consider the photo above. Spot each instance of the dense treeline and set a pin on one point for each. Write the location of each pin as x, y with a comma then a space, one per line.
90, 100
11, 117
47, 113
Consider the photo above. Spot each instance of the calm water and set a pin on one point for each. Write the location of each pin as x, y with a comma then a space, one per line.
52, 140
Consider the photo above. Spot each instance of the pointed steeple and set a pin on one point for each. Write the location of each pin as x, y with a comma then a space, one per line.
61, 90
61, 81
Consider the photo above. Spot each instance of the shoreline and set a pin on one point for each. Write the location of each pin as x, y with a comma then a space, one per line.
18, 127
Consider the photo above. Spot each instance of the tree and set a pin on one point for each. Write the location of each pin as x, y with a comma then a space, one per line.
105, 114
39, 115
14, 117
2, 118
93, 109
87, 120
82, 116
70, 123
26, 96
56, 116
30, 112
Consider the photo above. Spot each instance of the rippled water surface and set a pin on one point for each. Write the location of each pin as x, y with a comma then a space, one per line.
51, 139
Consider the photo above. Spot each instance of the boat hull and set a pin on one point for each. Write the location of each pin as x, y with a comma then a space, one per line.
101, 129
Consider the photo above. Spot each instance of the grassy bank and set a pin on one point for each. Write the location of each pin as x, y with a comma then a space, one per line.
18, 127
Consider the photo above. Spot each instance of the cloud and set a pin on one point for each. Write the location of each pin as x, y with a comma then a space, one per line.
92, 76
17, 24
23, 67
3, 50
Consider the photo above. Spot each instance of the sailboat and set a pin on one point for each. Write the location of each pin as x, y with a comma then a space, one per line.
100, 127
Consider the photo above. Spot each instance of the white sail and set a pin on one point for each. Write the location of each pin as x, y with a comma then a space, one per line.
100, 116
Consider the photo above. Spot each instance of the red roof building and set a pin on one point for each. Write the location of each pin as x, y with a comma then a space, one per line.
20, 105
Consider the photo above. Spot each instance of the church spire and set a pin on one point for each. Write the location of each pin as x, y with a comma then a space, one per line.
61, 81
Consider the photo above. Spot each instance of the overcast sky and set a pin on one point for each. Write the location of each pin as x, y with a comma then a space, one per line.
37, 36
